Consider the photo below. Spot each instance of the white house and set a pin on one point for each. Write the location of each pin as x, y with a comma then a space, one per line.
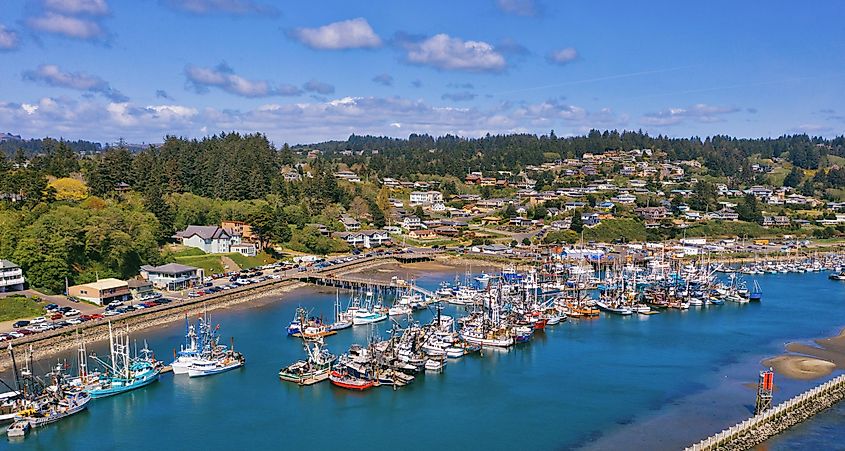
209, 239
11, 276
245, 249
412, 223
364, 238
425, 197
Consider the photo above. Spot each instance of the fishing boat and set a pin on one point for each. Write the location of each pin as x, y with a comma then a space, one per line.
342, 320
190, 351
435, 365
837, 276
52, 410
312, 370
308, 327
362, 317
209, 367
123, 372
756, 293
613, 309
19, 428
341, 378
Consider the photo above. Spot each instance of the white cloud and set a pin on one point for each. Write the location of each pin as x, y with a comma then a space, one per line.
445, 52
8, 38
699, 112
347, 34
92, 7
293, 122
563, 56
235, 7
72, 27
223, 77
53, 75
519, 7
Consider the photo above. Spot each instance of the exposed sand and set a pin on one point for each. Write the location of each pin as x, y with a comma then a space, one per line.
803, 361
800, 367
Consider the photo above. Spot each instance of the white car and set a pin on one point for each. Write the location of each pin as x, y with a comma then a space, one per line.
39, 320
74, 321
72, 312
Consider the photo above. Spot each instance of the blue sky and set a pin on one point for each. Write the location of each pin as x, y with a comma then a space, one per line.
311, 71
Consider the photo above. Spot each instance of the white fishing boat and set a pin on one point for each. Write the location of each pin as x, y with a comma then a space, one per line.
208, 367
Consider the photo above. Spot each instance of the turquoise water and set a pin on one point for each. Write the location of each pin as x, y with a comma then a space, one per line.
657, 382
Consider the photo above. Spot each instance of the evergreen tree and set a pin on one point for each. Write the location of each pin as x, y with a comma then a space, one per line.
577, 224
794, 178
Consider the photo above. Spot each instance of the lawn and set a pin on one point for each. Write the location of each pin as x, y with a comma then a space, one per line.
19, 307
210, 263
262, 258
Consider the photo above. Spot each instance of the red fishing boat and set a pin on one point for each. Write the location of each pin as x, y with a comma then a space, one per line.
349, 382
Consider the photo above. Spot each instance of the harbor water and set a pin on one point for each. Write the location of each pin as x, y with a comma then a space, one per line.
641, 382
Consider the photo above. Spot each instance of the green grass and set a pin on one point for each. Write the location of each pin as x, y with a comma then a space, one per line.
210, 263
734, 228
188, 252
262, 258
613, 229
19, 307
778, 175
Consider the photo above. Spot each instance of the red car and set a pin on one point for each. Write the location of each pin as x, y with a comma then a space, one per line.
55, 316
97, 316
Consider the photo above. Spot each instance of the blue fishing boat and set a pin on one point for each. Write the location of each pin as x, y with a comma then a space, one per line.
122, 372
756, 293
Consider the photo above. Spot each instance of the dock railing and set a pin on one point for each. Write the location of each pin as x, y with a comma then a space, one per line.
771, 417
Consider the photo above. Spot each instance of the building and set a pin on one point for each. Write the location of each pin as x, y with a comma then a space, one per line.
245, 249
412, 223
209, 239
101, 292
775, 221
239, 228
172, 276
364, 238
423, 234
652, 213
350, 224
425, 197
141, 289
11, 277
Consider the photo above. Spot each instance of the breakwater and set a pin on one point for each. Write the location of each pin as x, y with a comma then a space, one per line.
760, 428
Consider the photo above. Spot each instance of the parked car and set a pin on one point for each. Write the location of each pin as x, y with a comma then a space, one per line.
72, 312
51, 307
21, 323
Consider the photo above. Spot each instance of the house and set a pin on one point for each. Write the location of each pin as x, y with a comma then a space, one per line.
172, 276
141, 289
101, 292
349, 176
412, 223
447, 231
562, 224
11, 277
245, 249
590, 219
725, 214
239, 228
651, 214
775, 221
423, 234
425, 197
209, 239
520, 221
350, 224
291, 176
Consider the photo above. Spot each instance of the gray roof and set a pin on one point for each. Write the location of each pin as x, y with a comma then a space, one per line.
7, 264
204, 232
170, 268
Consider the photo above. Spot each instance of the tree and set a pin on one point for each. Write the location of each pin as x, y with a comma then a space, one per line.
748, 209
509, 211
577, 224
376, 214
418, 212
358, 208
526, 241
704, 196
794, 178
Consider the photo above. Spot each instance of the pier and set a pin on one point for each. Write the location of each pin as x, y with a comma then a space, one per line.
759, 428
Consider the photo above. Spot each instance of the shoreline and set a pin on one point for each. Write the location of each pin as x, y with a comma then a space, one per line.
804, 361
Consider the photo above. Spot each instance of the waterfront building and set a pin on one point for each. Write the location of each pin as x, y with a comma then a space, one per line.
140, 289
101, 292
11, 277
172, 276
